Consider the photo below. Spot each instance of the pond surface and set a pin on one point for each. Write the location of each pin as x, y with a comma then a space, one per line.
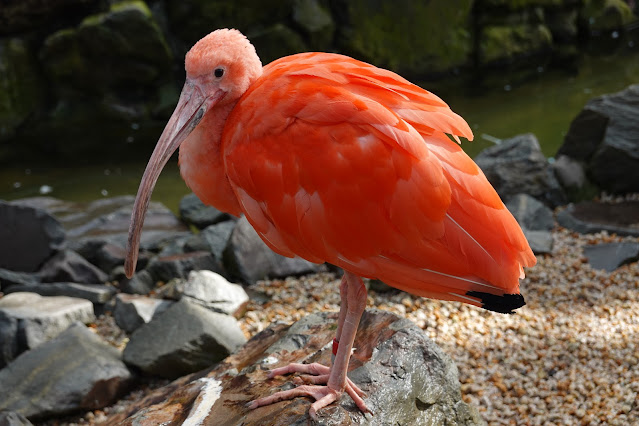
544, 106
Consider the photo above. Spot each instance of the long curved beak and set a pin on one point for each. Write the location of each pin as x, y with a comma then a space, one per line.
191, 107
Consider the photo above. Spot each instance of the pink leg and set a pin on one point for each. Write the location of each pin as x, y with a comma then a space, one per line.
353, 303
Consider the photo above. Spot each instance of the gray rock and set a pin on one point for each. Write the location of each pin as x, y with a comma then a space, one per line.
610, 256
589, 217
29, 237
248, 258
10, 418
131, 312
530, 213
165, 268
540, 242
183, 339
516, 166
605, 137
69, 266
75, 371
569, 172
140, 283
94, 293
10, 278
198, 214
30, 320
214, 292
217, 237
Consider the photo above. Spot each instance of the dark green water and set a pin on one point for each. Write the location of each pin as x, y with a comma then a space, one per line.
544, 106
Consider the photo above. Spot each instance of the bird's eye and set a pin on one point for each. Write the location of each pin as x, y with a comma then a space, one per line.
219, 72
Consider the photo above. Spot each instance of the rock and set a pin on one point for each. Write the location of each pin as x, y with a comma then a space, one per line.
540, 242
406, 377
196, 213
183, 339
214, 292
250, 259
166, 268
589, 217
10, 418
502, 43
108, 257
24, 15
217, 237
530, 213
94, 293
276, 41
516, 166
605, 137
73, 372
569, 172
29, 237
610, 256
10, 278
68, 266
316, 23
36, 319
21, 86
607, 15
140, 283
406, 36
132, 311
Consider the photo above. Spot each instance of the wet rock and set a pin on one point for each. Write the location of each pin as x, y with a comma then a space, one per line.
94, 293
406, 377
610, 256
214, 292
535, 219
68, 266
140, 283
131, 312
183, 339
196, 213
605, 138
165, 268
516, 166
248, 258
589, 217
10, 418
75, 371
29, 320
29, 237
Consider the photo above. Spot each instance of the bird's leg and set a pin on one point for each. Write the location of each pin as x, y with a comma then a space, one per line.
353, 295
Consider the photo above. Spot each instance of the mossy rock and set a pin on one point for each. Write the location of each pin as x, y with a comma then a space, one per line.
414, 38
21, 87
504, 43
604, 15
518, 5
192, 20
315, 22
277, 41
122, 49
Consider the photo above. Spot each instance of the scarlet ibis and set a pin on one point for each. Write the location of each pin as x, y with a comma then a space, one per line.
335, 160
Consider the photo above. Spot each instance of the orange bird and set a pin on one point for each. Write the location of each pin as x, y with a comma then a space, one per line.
334, 160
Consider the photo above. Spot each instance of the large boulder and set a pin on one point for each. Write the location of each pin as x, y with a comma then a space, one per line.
517, 165
75, 371
29, 236
183, 339
406, 377
604, 137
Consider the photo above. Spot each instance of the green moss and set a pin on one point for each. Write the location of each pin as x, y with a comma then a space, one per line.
417, 38
607, 14
21, 89
506, 42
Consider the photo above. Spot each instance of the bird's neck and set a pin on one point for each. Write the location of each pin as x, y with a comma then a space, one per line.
202, 165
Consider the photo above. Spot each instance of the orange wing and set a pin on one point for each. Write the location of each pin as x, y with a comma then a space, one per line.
335, 160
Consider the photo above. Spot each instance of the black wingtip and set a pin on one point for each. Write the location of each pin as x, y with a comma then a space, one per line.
505, 304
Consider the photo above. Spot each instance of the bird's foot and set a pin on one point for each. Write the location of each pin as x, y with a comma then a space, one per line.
312, 383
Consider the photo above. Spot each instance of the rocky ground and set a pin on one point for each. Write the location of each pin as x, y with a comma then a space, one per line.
568, 357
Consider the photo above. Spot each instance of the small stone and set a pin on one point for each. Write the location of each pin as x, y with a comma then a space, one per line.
214, 292
131, 311
140, 283
612, 255
166, 268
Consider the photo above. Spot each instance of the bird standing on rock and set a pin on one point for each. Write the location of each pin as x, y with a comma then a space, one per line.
335, 160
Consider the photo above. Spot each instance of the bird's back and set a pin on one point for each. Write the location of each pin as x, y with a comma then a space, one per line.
338, 161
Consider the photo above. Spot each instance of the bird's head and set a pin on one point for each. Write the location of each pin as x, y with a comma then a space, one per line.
219, 69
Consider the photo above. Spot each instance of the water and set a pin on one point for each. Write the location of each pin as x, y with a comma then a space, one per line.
544, 106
